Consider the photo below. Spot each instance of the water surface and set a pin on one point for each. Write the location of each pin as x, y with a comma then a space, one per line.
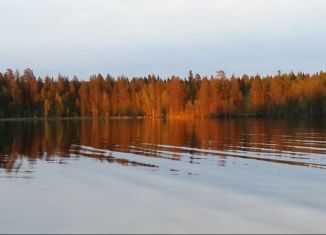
146, 176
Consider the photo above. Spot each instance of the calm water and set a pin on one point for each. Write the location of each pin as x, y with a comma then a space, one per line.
146, 176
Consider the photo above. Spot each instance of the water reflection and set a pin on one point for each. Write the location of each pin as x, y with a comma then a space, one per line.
158, 145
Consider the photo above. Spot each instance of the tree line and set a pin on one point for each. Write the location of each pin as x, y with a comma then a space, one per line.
281, 95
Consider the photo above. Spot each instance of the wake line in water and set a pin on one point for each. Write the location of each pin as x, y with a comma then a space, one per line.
105, 155
152, 155
278, 157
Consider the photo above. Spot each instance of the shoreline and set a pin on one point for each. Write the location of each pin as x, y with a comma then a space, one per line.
171, 117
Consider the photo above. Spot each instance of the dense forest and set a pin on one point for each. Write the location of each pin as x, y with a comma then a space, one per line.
280, 95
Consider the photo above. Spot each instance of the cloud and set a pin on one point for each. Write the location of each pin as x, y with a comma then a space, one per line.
161, 36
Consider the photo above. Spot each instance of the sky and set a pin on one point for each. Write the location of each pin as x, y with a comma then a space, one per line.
164, 37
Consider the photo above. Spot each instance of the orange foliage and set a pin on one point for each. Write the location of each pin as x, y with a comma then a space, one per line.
280, 95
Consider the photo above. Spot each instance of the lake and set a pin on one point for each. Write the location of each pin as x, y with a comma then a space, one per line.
163, 176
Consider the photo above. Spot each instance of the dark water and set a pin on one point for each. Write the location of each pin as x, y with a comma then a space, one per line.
163, 176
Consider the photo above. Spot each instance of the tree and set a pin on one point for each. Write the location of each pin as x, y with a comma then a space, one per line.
105, 104
84, 101
257, 96
176, 96
236, 97
279, 95
203, 98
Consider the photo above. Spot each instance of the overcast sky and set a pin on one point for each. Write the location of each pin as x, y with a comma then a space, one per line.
165, 37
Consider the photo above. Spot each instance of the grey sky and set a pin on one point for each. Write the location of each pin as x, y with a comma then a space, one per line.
165, 37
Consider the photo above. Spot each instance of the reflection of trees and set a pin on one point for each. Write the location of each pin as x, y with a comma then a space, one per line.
56, 140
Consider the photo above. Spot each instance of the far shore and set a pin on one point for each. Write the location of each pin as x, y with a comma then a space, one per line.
171, 117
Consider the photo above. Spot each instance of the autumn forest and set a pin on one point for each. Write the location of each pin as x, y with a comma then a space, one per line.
282, 95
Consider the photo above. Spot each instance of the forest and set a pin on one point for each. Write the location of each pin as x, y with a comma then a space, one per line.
281, 95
